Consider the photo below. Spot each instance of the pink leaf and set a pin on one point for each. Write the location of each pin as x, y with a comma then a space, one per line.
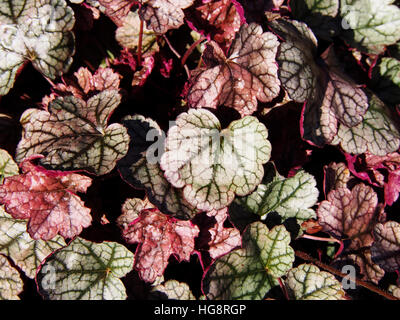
117, 10
48, 200
223, 240
247, 74
159, 236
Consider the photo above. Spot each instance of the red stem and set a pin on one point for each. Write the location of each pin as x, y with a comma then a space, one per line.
190, 50
307, 236
282, 285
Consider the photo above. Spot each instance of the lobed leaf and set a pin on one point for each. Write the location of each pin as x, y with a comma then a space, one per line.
73, 134
11, 284
250, 272
131, 209
85, 270
247, 74
159, 237
213, 165
48, 200
173, 290
307, 282
25, 252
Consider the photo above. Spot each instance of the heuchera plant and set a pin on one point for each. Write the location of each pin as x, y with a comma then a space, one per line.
199, 149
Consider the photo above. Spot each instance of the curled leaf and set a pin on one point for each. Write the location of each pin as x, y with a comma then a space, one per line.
48, 200
159, 236
73, 134
248, 73
213, 165
85, 270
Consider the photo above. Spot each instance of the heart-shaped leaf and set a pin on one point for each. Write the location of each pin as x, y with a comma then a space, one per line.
73, 134
386, 248
213, 165
336, 176
159, 236
307, 282
248, 73
48, 200
116, 10
163, 15
85, 270
173, 290
16, 243
39, 31
370, 25
11, 284
141, 168
250, 272
377, 133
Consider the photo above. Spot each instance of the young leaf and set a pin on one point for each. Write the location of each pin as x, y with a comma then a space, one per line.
370, 25
159, 236
336, 176
140, 167
320, 15
377, 133
16, 243
247, 73
7, 165
307, 282
349, 214
223, 240
39, 31
48, 200
11, 284
73, 134
213, 165
250, 272
394, 290
131, 209
386, 248
85, 270
163, 15
173, 290
129, 33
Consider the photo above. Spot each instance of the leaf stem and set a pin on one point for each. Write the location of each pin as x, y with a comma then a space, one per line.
282, 285
190, 50
307, 236
304, 256
177, 54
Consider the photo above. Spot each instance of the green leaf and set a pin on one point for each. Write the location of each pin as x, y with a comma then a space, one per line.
173, 290
141, 168
39, 31
16, 243
307, 282
370, 25
290, 198
212, 165
377, 133
73, 134
386, 79
10, 282
7, 165
85, 270
319, 15
250, 272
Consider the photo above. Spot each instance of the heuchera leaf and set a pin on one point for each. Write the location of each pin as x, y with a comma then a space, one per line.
217, 19
370, 270
116, 10
159, 236
386, 248
307, 282
386, 79
128, 35
250, 272
377, 133
141, 169
11, 284
213, 165
349, 214
85, 270
73, 134
7, 165
336, 176
173, 290
248, 73
48, 200
254, 9
223, 240
163, 15
370, 25
319, 15
39, 31
16, 243
131, 209
290, 198
394, 290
